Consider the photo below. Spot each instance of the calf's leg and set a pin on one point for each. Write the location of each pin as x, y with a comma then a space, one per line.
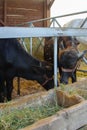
9, 87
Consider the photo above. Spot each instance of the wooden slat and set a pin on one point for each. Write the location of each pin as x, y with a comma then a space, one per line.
5, 11
30, 9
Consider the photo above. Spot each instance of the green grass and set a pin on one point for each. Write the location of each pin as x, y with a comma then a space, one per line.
21, 118
74, 90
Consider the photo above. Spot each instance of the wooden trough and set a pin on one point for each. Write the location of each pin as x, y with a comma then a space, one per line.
70, 118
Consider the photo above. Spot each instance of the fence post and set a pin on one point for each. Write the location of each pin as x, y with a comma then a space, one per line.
55, 61
31, 25
55, 57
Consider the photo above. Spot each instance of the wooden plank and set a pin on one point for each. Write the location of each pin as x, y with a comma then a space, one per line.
5, 11
29, 10
46, 12
2, 23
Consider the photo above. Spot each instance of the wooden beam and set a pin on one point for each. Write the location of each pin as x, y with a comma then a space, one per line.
46, 12
50, 4
5, 11
3, 24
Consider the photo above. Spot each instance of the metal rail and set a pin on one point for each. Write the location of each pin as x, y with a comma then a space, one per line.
23, 32
61, 16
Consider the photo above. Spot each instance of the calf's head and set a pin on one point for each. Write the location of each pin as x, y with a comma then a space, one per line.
68, 64
44, 76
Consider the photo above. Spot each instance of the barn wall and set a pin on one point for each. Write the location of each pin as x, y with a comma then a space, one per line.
13, 12
1, 12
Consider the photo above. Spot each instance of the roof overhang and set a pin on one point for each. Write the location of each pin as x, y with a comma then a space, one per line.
51, 3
